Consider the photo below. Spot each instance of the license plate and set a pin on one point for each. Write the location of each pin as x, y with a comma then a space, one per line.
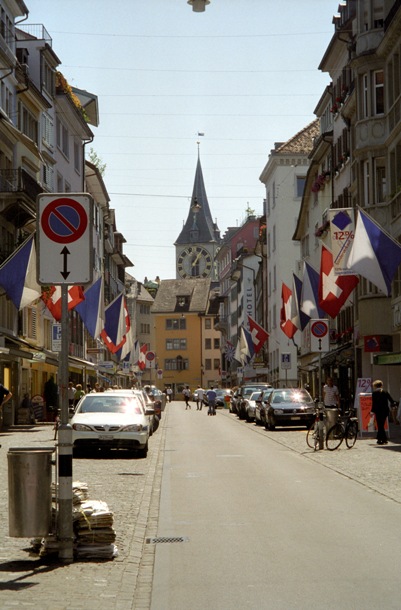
106, 437
295, 418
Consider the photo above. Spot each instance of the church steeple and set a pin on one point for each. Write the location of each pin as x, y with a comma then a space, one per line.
197, 244
199, 226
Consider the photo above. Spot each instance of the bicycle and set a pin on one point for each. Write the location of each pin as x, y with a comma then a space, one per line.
346, 428
316, 433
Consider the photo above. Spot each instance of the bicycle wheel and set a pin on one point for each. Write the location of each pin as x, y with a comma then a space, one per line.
311, 436
334, 437
351, 432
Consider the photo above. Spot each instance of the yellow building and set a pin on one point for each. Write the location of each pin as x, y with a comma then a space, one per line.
187, 346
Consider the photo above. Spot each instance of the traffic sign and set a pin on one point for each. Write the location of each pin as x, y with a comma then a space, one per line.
286, 361
319, 335
65, 236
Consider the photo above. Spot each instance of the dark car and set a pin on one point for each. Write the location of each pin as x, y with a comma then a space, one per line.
289, 407
260, 409
245, 392
221, 398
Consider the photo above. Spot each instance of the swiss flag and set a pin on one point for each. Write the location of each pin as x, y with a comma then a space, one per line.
286, 323
142, 357
259, 334
334, 290
52, 299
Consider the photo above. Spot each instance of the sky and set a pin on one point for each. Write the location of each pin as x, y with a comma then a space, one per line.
244, 73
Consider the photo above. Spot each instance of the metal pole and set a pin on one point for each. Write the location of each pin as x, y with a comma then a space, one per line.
64, 445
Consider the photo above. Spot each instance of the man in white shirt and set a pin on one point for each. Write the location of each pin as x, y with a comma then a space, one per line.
331, 395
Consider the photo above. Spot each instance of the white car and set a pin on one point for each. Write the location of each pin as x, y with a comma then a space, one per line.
111, 420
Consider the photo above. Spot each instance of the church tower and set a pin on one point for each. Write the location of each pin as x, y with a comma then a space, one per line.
197, 244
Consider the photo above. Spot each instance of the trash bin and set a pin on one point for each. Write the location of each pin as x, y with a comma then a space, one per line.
8, 414
332, 414
29, 491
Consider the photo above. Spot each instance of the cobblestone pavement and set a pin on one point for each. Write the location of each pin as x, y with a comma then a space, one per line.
131, 488
376, 467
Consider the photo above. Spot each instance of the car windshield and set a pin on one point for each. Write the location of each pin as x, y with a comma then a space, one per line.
266, 394
291, 396
110, 404
255, 395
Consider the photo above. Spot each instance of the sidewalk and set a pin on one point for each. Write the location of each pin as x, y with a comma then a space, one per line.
131, 488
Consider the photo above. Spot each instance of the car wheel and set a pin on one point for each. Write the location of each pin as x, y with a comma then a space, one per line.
270, 424
142, 453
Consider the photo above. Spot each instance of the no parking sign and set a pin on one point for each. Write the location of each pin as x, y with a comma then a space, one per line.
320, 336
65, 236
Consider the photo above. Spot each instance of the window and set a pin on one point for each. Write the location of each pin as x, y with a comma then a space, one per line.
274, 195
176, 344
208, 344
47, 131
208, 364
48, 80
208, 323
47, 174
216, 364
27, 123
380, 181
77, 158
216, 343
300, 184
378, 92
176, 364
176, 324
274, 238
144, 309
365, 171
62, 138
365, 96
145, 329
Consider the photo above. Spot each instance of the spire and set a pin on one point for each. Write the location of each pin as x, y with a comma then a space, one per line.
199, 226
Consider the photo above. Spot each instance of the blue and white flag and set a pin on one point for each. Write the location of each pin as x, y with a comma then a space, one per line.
116, 325
91, 309
245, 347
298, 317
18, 275
310, 293
375, 255
229, 351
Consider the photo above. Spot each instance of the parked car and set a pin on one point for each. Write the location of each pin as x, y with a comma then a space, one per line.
234, 401
260, 409
157, 397
222, 393
289, 407
111, 420
245, 391
154, 419
250, 405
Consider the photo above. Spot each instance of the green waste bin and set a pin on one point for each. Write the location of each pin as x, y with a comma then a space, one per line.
29, 491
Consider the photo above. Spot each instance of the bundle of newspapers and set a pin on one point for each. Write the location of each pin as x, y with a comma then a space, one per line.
94, 535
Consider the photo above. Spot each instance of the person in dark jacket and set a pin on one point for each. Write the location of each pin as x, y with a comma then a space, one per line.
381, 401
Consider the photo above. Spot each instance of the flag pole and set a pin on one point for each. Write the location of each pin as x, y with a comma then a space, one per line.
64, 445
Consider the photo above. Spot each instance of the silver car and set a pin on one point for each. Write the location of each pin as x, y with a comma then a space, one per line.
111, 420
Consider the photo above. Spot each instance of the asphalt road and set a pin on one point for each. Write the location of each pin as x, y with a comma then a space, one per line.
255, 519
223, 514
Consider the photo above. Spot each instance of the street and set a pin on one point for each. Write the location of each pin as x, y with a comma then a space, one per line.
223, 514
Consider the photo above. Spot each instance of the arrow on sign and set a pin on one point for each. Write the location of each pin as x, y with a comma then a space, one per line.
65, 252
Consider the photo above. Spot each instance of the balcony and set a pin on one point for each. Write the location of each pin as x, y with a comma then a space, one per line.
18, 192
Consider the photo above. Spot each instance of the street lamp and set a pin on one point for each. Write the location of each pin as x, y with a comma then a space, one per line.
198, 6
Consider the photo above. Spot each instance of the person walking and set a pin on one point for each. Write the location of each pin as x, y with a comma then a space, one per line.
331, 395
5, 396
381, 402
211, 399
187, 395
71, 395
169, 393
79, 392
199, 394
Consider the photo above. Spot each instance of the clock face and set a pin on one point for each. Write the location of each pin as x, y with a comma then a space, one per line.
194, 261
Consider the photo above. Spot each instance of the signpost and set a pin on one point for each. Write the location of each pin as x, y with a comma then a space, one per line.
64, 238
320, 343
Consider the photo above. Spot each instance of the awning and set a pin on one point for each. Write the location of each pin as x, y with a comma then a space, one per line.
387, 359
